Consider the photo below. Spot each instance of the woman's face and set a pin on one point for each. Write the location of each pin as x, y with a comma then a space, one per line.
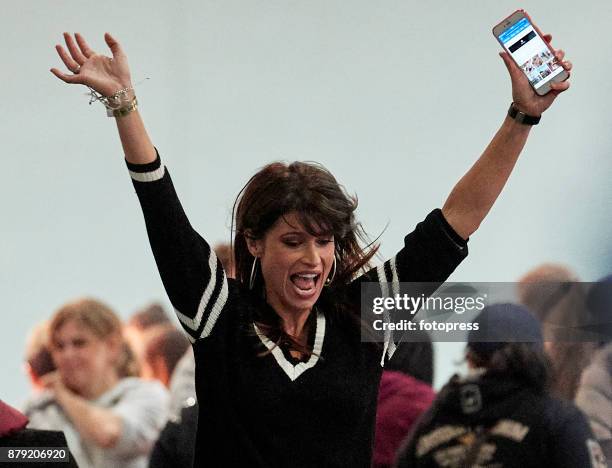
294, 264
81, 357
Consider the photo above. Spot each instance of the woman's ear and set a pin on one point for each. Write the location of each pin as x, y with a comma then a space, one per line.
255, 246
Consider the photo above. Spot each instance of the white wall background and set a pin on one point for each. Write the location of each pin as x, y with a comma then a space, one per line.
397, 98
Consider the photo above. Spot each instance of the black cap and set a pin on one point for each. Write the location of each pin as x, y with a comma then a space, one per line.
499, 324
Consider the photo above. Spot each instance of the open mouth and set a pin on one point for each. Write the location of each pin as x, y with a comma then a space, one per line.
305, 283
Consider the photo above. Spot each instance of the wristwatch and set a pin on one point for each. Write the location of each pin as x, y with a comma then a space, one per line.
521, 117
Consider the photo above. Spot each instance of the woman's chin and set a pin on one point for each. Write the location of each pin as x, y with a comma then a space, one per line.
304, 299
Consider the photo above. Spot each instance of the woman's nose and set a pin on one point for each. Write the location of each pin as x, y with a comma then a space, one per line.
66, 352
311, 255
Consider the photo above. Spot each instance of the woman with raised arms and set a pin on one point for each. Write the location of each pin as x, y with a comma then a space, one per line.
282, 376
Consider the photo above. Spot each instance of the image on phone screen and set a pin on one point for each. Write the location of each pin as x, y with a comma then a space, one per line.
530, 52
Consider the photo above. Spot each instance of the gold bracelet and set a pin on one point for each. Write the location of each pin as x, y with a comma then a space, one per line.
123, 111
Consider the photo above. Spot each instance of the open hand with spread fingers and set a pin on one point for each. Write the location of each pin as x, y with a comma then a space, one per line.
524, 96
103, 74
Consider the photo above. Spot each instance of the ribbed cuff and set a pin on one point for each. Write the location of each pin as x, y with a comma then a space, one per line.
148, 172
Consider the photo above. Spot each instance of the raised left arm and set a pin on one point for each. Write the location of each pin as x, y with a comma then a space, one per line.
476, 192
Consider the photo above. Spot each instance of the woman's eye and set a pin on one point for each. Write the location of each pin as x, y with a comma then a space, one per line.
324, 241
291, 243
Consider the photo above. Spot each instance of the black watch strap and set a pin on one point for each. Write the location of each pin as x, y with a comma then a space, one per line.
521, 117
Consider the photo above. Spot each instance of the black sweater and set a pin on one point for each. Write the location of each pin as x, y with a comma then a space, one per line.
272, 411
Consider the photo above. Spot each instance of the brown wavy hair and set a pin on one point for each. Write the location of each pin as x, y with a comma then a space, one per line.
99, 319
323, 207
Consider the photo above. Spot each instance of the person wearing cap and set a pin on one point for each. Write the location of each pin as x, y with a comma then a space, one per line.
594, 395
502, 413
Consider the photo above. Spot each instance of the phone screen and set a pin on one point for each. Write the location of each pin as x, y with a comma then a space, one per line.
530, 52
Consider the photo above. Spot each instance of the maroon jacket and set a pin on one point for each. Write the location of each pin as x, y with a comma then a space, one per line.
401, 401
11, 420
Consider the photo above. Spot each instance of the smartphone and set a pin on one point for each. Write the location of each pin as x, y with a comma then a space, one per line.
522, 40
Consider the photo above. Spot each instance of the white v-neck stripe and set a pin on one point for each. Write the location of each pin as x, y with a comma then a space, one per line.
294, 371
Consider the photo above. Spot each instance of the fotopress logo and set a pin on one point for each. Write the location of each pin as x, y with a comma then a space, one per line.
411, 304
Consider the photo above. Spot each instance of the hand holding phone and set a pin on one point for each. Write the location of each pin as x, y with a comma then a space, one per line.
538, 71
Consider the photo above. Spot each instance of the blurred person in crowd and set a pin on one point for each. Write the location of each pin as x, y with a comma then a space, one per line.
38, 360
176, 444
109, 417
150, 315
182, 384
594, 395
14, 434
404, 394
145, 319
224, 254
558, 299
415, 357
164, 347
280, 360
501, 414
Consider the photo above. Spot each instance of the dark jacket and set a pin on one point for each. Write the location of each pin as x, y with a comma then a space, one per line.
495, 421
176, 444
594, 397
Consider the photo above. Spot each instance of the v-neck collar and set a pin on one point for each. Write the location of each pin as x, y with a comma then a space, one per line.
294, 371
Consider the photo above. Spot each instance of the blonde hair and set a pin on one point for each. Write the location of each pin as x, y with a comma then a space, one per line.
99, 319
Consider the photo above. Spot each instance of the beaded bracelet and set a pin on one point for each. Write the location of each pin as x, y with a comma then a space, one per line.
118, 104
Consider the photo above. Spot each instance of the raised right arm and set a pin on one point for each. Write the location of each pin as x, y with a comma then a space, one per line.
190, 271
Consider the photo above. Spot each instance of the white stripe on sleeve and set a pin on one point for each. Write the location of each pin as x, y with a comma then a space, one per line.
194, 323
151, 176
